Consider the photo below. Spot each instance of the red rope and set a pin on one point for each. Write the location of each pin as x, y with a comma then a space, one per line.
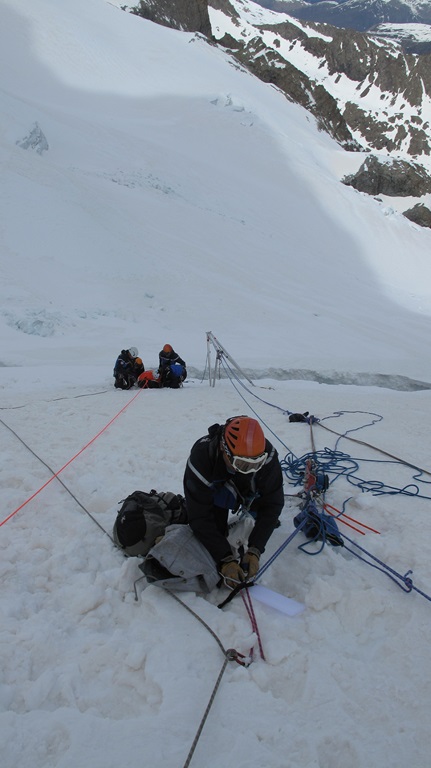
250, 610
69, 462
341, 515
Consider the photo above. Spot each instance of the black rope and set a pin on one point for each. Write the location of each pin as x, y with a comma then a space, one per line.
216, 638
379, 450
57, 478
205, 715
53, 400
230, 655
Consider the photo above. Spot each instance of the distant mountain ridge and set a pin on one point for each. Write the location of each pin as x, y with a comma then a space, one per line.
361, 15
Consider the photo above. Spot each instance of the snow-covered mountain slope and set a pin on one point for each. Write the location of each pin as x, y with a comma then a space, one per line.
193, 197
360, 87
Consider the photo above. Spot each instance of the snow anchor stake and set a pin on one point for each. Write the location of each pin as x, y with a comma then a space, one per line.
233, 655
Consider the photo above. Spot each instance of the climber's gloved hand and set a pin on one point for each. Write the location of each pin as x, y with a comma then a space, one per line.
250, 562
232, 572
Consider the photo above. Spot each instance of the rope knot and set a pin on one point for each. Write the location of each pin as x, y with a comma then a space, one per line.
407, 581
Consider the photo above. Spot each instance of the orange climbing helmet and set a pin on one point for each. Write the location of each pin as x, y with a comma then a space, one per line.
243, 442
167, 348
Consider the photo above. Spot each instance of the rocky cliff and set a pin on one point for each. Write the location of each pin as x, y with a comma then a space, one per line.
187, 15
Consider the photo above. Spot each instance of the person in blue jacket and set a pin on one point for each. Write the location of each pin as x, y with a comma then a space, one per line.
172, 368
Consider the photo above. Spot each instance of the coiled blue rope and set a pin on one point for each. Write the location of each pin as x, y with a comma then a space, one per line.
336, 463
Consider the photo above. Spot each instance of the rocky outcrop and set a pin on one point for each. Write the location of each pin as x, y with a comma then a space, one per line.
368, 62
419, 214
363, 59
226, 7
34, 141
186, 15
395, 178
270, 67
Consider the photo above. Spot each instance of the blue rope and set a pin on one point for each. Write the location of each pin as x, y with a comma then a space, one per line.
394, 575
335, 462
383, 567
232, 374
320, 533
278, 552
338, 464
332, 465
379, 418
371, 423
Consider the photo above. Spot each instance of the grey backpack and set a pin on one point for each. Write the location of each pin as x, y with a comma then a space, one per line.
180, 562
143, 517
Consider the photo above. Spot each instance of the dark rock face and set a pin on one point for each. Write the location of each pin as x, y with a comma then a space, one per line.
186, 15
419, 214
225, 6
367, 62
395, 178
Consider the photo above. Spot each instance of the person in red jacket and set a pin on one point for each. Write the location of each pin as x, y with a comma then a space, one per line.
233, 467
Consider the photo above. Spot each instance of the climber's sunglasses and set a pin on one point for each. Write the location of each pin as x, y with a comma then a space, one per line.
247, 465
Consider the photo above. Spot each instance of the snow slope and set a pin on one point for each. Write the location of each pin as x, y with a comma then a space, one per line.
162, 248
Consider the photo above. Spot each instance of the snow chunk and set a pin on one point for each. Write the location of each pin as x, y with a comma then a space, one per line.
322, 595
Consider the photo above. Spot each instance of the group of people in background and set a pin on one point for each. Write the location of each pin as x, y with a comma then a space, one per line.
129, 370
